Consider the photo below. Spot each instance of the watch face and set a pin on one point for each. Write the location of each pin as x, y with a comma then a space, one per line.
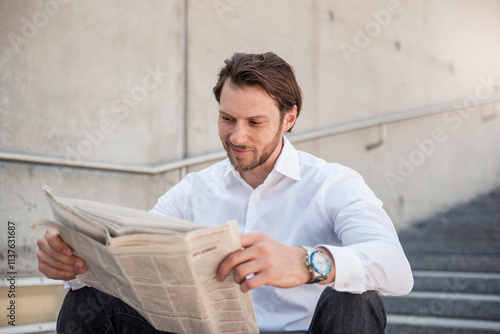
321, 263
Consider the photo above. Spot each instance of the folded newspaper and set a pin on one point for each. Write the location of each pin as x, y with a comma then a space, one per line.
161, 266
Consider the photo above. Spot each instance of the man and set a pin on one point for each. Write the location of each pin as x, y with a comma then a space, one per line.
282, 199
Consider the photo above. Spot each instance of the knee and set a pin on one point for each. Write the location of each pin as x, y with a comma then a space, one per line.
344, 312
342, 300
81, 311
370, 297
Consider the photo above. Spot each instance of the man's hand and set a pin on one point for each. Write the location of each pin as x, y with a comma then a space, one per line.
271, 262
56, 259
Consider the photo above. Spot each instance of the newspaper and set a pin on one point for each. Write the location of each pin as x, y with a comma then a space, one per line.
161, 266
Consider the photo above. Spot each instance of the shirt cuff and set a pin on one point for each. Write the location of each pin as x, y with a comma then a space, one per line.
349, 270
74, 284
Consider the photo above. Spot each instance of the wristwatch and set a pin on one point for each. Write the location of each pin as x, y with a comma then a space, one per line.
318, 263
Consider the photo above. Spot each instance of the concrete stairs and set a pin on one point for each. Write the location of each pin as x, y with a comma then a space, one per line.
455, 257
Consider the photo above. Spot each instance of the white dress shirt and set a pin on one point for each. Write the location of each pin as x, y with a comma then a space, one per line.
304, 201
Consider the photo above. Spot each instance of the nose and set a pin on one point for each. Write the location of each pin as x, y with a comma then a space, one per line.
239, 135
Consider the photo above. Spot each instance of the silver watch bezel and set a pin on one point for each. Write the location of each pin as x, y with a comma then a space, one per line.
316, 275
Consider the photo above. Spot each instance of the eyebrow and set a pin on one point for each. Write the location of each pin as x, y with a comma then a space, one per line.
251, 117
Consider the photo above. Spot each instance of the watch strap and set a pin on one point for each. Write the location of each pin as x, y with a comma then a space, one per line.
308, 262
315, 276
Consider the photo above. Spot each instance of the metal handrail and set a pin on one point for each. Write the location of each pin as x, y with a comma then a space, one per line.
219, 155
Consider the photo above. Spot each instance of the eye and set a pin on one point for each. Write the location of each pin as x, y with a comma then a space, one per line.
255, 123
226, 119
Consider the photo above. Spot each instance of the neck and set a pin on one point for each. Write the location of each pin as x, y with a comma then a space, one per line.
255, 178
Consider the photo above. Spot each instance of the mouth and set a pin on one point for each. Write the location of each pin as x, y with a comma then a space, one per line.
239, 152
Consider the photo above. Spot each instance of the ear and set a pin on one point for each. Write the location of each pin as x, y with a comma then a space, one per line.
290, 118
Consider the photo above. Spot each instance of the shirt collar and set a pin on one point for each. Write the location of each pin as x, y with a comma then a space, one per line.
288, 161
287, 164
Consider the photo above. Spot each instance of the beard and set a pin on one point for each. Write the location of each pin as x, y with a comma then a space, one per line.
257, 160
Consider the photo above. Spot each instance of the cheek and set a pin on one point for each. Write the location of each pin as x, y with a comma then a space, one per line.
223, 130
268, 136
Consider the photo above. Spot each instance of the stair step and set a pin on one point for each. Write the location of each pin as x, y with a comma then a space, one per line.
445, 304
472, 209
399, 324
452, 233
38, 328
455, 262
452, 247
466, 282
462, 217
455, 258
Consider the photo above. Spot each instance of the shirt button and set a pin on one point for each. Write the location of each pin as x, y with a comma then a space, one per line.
346, 284
254, 198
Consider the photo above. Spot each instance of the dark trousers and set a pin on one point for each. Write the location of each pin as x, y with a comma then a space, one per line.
88, 311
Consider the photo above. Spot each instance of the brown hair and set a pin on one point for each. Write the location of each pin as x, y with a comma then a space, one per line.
267, 70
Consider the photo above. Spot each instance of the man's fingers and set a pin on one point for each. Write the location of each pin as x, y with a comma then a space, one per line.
55, 273
68, 264
253, 249
248, 239
55, 241
243, 270
52, 246
228, 264
52, 268
250, 267
255, 281
233, 260
55, 258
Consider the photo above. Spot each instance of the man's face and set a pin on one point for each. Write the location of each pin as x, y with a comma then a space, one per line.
250, 127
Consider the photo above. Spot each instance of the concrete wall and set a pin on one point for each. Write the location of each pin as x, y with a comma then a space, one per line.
130, 82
